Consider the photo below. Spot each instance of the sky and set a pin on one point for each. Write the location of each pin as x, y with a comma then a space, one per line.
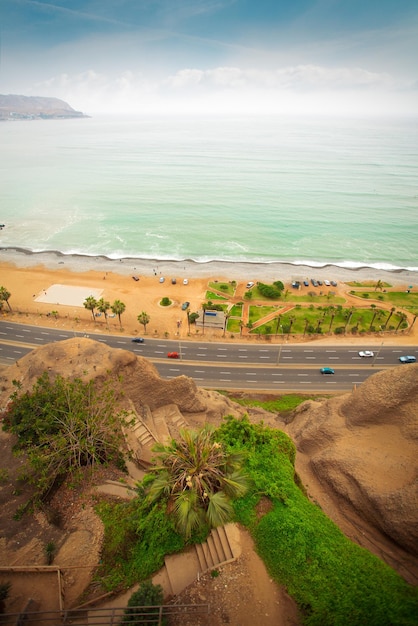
261, 57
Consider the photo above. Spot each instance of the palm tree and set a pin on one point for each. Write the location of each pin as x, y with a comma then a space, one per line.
118, 308
333, 313
225, 323
277, 324
413, 322
143, 318
306, 326
204, 307
4, 296
241, 326
349, 316
90, 304
198, 479
379, 285
103, 306
292, 319
389, 316
402, 318
373, 307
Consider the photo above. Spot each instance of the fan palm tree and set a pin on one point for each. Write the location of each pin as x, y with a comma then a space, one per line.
332, 313
103, 306
4, 296
373, 307
198, 478
388, 318
90, 304
349, 316
402, 318
143, 318
118, 308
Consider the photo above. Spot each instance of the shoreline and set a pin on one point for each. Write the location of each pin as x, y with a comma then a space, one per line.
216, 269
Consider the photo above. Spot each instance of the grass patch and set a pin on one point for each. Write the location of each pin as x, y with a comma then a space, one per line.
211, 295
280, 404
225, 288
258, 312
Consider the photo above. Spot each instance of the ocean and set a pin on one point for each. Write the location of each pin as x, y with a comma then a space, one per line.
258, 190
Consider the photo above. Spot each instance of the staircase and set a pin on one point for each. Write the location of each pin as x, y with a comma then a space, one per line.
180, 570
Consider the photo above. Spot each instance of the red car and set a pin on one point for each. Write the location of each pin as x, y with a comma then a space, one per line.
173, 355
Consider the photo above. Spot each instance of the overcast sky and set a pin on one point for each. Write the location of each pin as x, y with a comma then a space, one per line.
346, 57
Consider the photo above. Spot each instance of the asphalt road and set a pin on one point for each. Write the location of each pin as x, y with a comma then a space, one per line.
260, 366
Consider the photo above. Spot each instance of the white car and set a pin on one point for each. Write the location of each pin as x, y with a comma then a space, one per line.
249, 285
327, 283
366, 353
185, 281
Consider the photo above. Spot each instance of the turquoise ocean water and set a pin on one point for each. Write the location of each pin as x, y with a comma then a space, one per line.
238, 189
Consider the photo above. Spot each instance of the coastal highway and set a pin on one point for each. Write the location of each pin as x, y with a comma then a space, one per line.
229, 366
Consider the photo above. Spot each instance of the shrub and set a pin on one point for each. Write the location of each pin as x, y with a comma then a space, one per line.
165, 302
144, 604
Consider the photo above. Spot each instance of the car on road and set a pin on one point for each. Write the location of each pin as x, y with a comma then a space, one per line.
327, 370
250, 284
173, 355
407, 359
185, 306
185, 281
138, 340
366, 353
162, 279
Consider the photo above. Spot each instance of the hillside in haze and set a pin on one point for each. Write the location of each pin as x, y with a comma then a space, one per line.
15, 107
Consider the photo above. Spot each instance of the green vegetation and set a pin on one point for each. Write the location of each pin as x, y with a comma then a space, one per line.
310, 320
281, 404
226, 288
63, 425
396, 298
257, 312
211, 295
334, 581
144, 319
197, 480
148, 597
165, 301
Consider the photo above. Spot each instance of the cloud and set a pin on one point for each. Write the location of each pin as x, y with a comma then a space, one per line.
291, 89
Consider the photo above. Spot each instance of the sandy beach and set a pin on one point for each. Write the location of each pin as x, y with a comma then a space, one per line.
36, 280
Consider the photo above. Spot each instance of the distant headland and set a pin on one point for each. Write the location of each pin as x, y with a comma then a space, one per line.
15, 107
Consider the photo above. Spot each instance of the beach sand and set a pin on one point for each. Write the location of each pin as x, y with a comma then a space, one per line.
29, 276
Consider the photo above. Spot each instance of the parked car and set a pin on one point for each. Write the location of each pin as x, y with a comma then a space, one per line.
296, 284
333, 283
138, 340
366, 353
319, 282
314, 282
173, 355
407, 359
185, 281
136, 278
173, 281
327, 283
327, 370
162, 279
250, 284
185, 306
306, 283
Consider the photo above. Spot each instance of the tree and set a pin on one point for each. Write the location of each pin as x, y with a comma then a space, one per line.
388, 318
402, 318
4, 296
64, 425
90, 304
204, 307
144, 319
378, 285
373, 307
241, 326
145, 603
277, 324
225, 323
103, 306
198, 479
349, 315
118, 308
333, 313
